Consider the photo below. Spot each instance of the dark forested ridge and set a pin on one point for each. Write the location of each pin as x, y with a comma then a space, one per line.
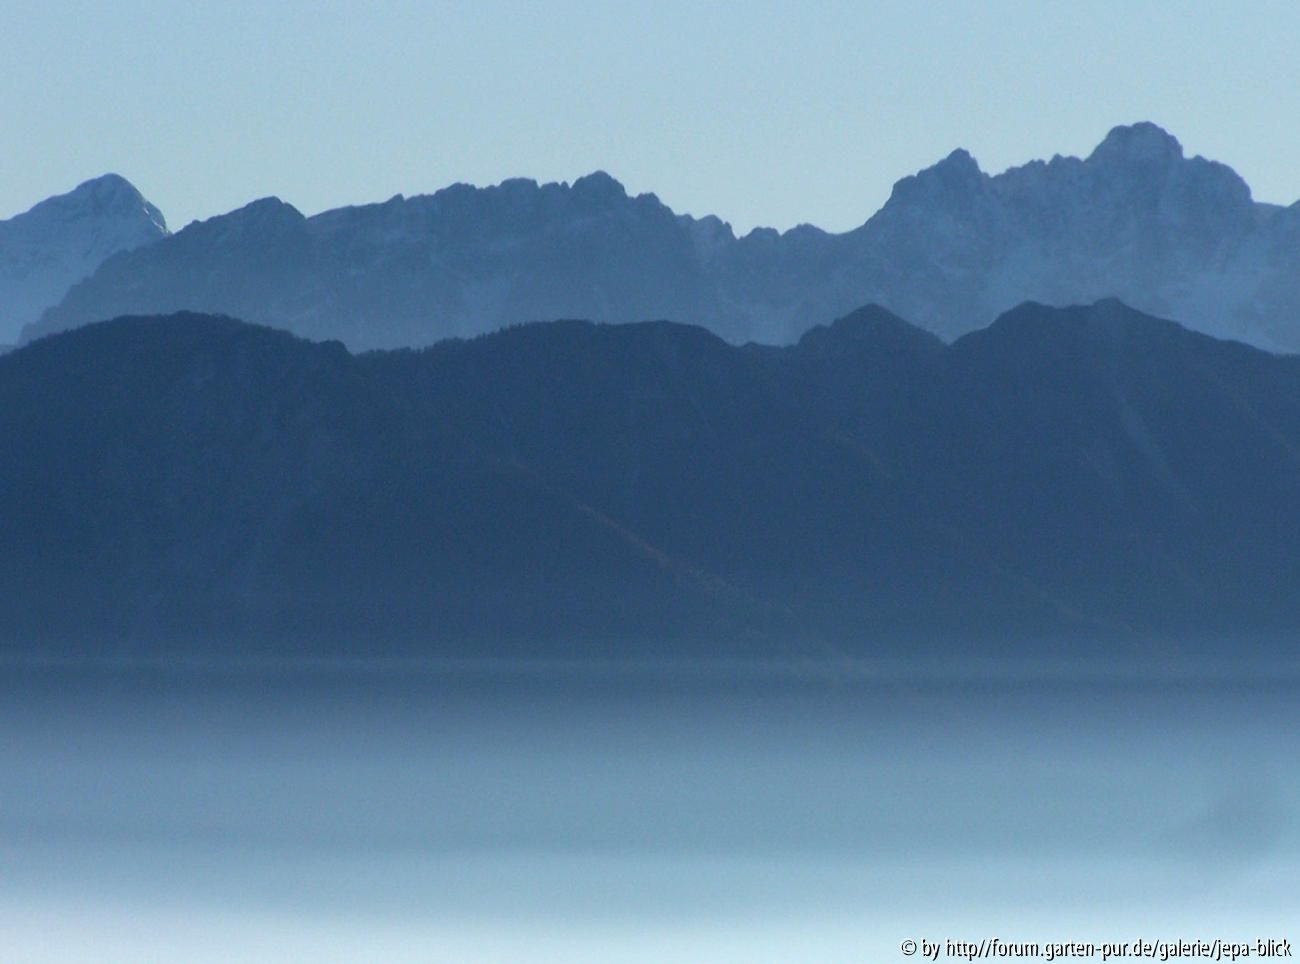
1079, 478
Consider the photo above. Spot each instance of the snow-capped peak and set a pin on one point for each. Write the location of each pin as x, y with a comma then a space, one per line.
63, 239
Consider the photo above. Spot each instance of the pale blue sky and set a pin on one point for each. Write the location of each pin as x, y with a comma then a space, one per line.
761, 112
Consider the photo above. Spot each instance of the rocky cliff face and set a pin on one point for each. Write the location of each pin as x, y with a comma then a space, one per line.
951, 249
62, 240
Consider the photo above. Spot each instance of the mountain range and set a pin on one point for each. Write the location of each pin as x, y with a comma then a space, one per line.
952, 248
1088, 479
62, 240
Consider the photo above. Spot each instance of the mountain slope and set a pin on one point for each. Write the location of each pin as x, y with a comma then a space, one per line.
62, 240
951, 250
1136, 220
1080, 478
411, 271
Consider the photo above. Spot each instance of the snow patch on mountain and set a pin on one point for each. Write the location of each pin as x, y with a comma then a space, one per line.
63, 239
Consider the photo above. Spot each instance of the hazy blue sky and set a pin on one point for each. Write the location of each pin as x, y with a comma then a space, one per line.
760, 112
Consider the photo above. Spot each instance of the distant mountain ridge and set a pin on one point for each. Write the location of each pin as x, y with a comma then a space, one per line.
1087, 479
62, 240
951, 249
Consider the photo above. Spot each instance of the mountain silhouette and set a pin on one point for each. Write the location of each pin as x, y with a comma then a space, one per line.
951, 249
62, 240
1083, 479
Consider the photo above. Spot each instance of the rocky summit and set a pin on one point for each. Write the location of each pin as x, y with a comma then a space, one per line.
62, 240
953, 248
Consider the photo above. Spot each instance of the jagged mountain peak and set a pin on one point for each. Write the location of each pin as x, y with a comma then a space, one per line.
1140, 143
262, 220
952, 249
267, 207
599, 186
958, 164
957, 175
60, 241
110, 185
109, 195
